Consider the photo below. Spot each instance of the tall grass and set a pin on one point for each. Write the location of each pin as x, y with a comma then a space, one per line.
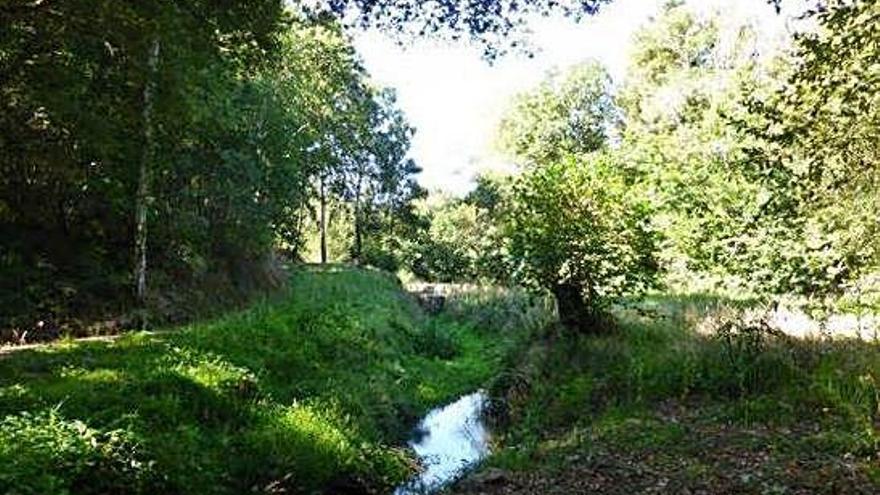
664, 350
503, 309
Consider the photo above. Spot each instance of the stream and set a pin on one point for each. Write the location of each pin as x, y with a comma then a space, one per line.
448, 441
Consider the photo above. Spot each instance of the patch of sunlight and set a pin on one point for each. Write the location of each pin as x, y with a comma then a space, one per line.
315, 440
14, 391
427, 394
321, 427
135, 339
214, 373
571, 439
94, 376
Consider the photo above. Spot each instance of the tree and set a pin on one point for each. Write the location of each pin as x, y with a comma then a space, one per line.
496, 25
574, 225
367, 164
325, 83
578, 229
681, 90
463, 241
203, 124
125, 71
384, 182
568, 113
814, 151
158, 145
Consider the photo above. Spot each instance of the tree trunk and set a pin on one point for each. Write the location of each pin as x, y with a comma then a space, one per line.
358, 227
575, 313
143, 190
323, 222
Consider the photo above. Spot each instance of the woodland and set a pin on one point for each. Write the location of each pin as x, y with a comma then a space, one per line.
215, 254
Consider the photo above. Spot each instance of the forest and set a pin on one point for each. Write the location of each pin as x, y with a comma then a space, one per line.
220, 274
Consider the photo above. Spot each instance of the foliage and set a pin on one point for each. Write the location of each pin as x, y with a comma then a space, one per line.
577, 229
568, 113
463, 241
574, 223
451, 246
316, 387
660, 393
248, 109
682, 88
814, 154
760, 169
507, 310
494, 25
90, 460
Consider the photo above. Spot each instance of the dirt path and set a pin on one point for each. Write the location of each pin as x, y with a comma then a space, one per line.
6, 350
704, 456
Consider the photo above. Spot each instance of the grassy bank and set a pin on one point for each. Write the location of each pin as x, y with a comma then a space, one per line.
312, 391
658, 407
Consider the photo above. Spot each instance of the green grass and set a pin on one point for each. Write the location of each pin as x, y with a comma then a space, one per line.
310, 390
679, 402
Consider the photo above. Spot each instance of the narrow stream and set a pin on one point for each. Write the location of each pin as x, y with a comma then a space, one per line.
448, 441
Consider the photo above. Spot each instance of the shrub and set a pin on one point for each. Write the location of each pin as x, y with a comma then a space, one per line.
82, 459
754, 356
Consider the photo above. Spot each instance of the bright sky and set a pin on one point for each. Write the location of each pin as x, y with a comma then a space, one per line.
455, 99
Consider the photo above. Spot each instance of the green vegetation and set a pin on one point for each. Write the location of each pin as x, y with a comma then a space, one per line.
748, 175
159, 160
312, 389
727, 169
185, 149
577, 230
153, 151
729, 408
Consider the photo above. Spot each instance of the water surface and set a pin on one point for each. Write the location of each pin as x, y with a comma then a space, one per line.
448, 441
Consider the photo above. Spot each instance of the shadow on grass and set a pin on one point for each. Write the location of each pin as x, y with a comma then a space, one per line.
266, 399
199, 418
312, 391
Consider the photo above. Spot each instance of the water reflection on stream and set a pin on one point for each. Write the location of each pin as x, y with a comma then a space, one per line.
448, 441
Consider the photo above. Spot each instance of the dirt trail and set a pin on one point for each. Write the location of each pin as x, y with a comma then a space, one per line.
8, 349
711, 457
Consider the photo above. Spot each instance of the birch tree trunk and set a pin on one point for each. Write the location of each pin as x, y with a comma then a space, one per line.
143, 190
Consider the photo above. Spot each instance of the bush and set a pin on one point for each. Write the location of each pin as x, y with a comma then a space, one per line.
506, 310
82, 459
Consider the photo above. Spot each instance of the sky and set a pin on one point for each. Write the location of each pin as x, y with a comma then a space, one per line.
455, 99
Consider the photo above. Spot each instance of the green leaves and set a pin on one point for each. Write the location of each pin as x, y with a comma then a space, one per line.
580, 222
568, 113
249, 105
815, 150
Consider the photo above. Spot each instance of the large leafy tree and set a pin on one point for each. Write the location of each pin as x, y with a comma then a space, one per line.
575, 224
569, 112
93, 92
681, 89
194, 125
161, 140
379, 175
577, 229
815, 154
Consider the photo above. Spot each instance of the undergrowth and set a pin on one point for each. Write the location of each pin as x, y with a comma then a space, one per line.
570, 393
